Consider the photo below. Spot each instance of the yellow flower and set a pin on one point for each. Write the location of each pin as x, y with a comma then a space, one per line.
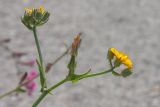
35, 17
122, 57
29, 11
41, 9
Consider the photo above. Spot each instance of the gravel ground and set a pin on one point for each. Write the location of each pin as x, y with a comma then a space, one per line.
129, 25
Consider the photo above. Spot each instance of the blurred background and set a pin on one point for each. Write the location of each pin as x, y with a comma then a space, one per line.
132, 26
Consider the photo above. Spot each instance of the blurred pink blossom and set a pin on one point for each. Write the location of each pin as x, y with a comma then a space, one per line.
31, 86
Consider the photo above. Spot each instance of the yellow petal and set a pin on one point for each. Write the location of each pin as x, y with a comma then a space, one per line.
29, 11
122, 57
41, 9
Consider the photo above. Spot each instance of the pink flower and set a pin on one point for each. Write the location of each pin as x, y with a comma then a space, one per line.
31, 86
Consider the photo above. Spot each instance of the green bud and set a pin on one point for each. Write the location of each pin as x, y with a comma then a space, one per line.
126, 72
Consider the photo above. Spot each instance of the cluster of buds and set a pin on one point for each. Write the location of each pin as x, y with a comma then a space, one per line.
35, 17
117, 58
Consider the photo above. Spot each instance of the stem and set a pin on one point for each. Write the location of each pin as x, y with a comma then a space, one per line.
42, 72
58, 59
8, 93
38, 46
35, 104
61, 56
96, 74
47, 92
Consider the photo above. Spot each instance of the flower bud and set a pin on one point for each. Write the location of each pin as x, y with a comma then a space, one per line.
126, 72
75, 45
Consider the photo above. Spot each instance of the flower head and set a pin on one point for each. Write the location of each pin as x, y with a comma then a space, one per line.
35, 17
121, 57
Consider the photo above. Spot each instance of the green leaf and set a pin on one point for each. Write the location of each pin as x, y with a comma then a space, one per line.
84, 74
51, 93
126, 72
21, 90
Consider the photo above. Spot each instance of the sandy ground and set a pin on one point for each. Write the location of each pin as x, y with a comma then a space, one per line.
129, 25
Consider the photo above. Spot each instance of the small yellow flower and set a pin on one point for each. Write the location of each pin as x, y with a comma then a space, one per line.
29, 11
41, 9
122, 57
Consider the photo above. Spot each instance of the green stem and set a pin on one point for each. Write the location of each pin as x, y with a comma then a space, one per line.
96, 74
63, 81
47, 92
42, 71
8, 93
38, 46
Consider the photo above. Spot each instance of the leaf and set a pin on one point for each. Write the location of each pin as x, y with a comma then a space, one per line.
75, 78
21, 90
84, 74
51, 93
